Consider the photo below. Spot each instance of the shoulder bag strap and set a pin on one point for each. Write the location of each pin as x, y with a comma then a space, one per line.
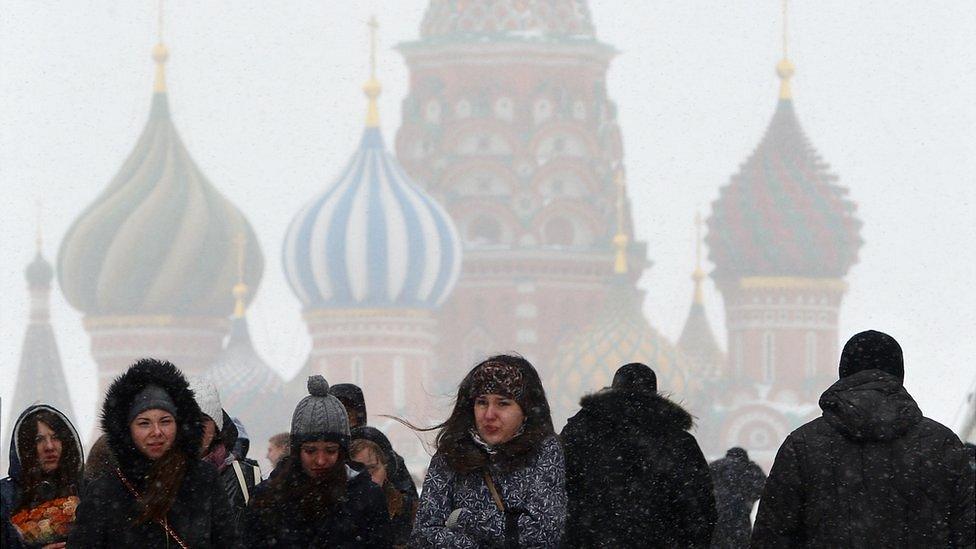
132, 490
240, 480
494, 491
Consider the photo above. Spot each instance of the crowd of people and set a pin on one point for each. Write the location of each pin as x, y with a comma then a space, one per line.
171, 470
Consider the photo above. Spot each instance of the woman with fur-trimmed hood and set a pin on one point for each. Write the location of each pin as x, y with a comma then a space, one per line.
635, 476
161, 494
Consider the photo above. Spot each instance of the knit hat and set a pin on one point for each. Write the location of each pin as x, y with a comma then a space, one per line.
872, 350
498, 378
152, 397
319, 416
351, 396
208, 399
635, 377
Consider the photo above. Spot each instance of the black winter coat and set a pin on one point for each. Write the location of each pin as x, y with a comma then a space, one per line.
871, 471
200, 515
359, 521
634, 476
738, 484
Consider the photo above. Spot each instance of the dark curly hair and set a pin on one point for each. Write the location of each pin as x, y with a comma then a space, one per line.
454, 440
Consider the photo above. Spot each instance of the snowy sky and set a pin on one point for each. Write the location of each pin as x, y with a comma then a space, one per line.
266, 96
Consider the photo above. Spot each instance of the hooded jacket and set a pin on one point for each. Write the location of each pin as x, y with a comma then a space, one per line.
108, 514
738, 484
871, 471
635, 477
10, 487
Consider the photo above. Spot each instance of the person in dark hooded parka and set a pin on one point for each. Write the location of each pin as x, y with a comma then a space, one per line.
46, 463
162, 494
872, 471
351, 397
314, 498
738, 484
635, 477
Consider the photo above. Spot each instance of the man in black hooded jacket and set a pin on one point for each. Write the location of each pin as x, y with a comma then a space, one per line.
635, 477
871, 471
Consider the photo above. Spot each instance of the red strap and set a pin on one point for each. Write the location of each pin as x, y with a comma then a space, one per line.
135, 494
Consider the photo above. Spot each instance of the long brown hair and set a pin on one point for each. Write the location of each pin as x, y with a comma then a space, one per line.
162, 484
290, 489
36, 486
454, 440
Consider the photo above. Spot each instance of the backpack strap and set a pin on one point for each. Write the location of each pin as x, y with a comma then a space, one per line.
240, 480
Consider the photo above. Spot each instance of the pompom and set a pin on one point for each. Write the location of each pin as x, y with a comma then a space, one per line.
318, 386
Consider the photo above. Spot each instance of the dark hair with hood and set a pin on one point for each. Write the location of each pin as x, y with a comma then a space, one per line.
351, 397
872, 350
157, 480
35, 486
455, 441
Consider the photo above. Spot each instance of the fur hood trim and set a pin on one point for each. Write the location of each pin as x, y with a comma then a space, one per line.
643, 411
119, 399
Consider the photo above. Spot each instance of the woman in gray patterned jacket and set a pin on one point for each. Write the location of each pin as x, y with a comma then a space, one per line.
498, 477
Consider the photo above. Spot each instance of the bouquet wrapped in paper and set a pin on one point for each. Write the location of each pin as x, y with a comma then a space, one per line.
46, 523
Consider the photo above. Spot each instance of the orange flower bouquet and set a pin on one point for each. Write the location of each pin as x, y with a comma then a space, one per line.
49, 522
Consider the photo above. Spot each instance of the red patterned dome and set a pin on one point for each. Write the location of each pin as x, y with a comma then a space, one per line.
783, 214
460, 19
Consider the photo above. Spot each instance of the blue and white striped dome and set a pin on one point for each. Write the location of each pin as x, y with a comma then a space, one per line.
374, 239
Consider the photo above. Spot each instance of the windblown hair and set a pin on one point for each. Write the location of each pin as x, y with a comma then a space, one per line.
290, 490
36, 486
454, 440
394, 498
158, 481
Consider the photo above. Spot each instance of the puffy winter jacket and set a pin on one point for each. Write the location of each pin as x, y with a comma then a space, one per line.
870, 472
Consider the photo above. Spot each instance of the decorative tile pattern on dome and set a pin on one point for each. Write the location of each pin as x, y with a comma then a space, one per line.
157, 241
783, 214
526, 19
373, 239
620, 334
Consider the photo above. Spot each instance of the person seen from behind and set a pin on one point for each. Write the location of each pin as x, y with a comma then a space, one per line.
738, 484
635, 476
871, 471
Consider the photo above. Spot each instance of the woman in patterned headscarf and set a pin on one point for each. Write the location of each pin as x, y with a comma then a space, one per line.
498, 477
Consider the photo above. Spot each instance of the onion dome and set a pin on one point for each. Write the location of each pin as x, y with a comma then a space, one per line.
249, 388
373, 238
155, 242
783, 214
39, 272
587, 360
511, 19
619, 335
40, 376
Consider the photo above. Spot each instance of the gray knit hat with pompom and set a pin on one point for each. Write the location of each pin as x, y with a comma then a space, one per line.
319, 416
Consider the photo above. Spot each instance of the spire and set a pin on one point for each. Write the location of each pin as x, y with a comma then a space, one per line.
39, 238
240, 289
620, 238
372, 86
785, 69
160, 54
698, 275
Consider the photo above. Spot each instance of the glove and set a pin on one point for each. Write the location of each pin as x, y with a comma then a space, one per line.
453, 518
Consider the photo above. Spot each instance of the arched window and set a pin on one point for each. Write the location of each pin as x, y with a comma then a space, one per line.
542, 110
484, 230
559, 231
737, 354
504, 108
462, 109
433, 112
768, 356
